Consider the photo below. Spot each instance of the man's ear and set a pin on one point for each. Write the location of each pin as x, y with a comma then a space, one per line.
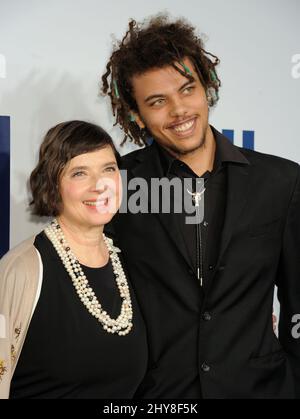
135, 117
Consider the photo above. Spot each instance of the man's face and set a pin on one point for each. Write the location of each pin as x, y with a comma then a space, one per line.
173, 108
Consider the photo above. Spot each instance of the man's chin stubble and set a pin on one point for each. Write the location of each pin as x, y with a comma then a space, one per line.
179, 152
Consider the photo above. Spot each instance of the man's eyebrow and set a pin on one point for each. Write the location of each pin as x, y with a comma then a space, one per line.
151, 97
159, 95
186, 84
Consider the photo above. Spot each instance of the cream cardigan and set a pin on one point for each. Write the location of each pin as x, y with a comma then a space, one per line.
21, 273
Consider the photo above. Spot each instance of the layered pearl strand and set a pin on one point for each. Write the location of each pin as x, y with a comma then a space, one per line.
123, 324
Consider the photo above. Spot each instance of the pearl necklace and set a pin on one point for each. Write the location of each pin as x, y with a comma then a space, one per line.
123, 324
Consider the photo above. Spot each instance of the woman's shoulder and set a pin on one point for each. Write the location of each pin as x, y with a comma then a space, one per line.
21, 256
19, 276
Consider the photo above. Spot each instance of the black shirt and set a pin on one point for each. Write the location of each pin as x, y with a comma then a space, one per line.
67, 353
215, 184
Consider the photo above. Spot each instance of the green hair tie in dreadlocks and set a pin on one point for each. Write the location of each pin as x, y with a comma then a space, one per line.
186, 69
116, 89
213, 75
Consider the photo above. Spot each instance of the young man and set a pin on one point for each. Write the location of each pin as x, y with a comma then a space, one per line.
206, 290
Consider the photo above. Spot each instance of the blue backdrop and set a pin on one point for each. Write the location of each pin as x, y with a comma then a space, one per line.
4, 183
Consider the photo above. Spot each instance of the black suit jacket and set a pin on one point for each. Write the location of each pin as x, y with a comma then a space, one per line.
220, 339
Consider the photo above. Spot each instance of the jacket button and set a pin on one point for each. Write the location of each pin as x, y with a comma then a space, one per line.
206, 316
205, 367
210, 267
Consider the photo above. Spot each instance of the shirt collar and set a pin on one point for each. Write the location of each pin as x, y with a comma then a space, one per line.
225, 152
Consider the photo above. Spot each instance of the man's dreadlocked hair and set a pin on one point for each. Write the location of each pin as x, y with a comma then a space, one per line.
154, 44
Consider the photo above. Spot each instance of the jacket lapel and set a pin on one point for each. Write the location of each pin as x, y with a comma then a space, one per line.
149, 167
237, 193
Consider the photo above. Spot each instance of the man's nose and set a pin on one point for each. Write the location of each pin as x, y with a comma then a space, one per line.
178, 107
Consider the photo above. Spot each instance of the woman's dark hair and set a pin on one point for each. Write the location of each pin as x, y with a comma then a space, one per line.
154, 44
61, 143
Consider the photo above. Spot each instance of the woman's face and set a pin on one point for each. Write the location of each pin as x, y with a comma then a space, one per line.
90, 188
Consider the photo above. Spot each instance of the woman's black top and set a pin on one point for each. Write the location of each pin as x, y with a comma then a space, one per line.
67, 353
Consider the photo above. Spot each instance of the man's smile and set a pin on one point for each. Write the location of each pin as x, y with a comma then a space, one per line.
184, 128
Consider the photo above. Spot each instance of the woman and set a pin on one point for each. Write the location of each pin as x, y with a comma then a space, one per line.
70, 325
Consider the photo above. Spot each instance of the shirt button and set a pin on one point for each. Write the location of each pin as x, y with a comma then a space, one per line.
206, 316
205, 367
205, 223
210, 267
